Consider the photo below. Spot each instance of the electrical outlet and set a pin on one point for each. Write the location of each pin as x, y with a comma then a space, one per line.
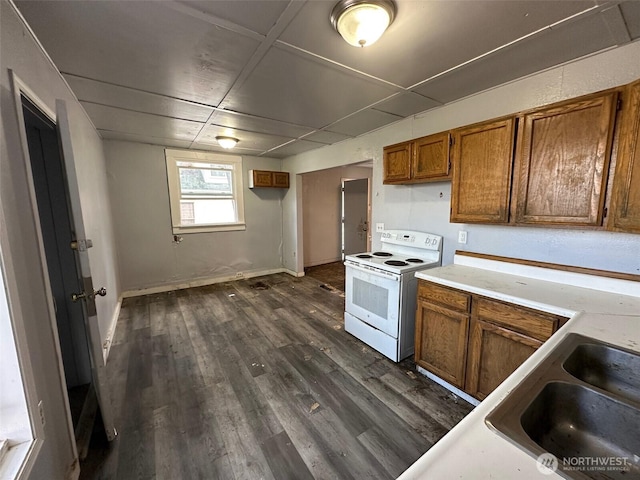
239, 274
462, 236
379, 227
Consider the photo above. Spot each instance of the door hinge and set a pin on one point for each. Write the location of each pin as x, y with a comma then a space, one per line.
619, 105
451, 140
81, 245
605, 212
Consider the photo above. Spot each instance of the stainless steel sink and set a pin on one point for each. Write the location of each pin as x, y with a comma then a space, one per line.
581, 404
608, 368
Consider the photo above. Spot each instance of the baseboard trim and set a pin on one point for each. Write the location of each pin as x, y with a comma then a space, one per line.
106, 345
455, 390
202, 282
292, 273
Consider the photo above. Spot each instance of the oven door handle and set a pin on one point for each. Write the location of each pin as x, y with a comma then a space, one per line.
371, 271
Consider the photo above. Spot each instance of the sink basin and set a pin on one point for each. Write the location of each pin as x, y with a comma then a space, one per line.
608, 368
581, 404
572, 421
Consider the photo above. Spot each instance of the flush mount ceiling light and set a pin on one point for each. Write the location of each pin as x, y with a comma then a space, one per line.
362, 22
227, 142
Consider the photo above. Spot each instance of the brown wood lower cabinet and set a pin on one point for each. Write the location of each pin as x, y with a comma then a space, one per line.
441, 342
473, 342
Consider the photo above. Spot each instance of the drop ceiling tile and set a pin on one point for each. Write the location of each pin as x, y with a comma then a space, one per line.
293, 87
406, 104
294, 148
143, 45
427, 37
257, 15
326, 137
129, 137
250, 140
90, 91
548, 48
362, 122
126, 121
631, 13
258, 124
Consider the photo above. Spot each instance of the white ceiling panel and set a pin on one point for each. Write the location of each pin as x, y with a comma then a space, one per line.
294, 148
257, 15
548, 48
326, 137
258, 124
428, 37
126, 121
363, 121
102, 93
143, 45
406, 104
296, 88
129, 137
251, 140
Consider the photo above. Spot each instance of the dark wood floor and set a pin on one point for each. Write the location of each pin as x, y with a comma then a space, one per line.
331, 274
256, 379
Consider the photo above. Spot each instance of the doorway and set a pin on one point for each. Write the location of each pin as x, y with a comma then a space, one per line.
52, 198
355, 216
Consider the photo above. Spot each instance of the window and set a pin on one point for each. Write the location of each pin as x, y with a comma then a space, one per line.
205, 191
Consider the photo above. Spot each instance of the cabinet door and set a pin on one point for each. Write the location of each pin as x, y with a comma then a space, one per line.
280, 179
494, 354
430, 159
482, 160
626, 183
562, 162
262, 178
396, 163
441, 342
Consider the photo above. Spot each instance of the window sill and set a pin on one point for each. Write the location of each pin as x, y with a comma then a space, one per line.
209, 228
15, 463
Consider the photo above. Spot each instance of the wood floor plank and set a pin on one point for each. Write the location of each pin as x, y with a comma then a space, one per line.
284, 460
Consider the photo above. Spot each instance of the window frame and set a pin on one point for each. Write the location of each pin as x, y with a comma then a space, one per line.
172, 157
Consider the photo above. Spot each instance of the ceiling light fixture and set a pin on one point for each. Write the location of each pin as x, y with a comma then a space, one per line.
362, 22
227, 142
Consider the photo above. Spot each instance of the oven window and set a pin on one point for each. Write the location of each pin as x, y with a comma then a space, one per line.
371, 297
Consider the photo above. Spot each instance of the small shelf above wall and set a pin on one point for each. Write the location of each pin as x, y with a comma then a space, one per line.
268, 179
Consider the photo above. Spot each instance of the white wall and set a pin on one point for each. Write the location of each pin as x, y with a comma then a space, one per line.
426, 206
321, 212
149, 258
25, 276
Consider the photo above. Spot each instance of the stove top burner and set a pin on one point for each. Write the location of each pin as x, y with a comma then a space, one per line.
382, 254
364, 255
396, 263
414, 260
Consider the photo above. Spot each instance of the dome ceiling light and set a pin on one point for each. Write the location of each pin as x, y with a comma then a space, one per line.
227, 142
362, 22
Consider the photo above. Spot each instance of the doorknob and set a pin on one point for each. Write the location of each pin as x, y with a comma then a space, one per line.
79, 296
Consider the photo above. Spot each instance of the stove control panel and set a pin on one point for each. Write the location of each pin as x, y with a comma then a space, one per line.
414, 239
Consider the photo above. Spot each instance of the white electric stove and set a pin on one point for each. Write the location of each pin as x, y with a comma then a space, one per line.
380, 290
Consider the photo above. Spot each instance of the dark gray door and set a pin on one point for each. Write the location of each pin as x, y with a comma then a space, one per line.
57, 232
355, 211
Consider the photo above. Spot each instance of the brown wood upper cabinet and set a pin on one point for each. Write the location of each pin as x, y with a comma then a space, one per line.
625, 203
482, 161
422, 160
562, 161
268, 179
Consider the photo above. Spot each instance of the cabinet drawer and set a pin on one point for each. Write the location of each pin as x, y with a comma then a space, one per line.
536, 324
454, 299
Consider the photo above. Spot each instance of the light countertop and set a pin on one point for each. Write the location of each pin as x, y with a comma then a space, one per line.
472, 450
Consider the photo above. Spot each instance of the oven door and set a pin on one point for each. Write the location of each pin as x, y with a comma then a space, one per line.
373, 296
